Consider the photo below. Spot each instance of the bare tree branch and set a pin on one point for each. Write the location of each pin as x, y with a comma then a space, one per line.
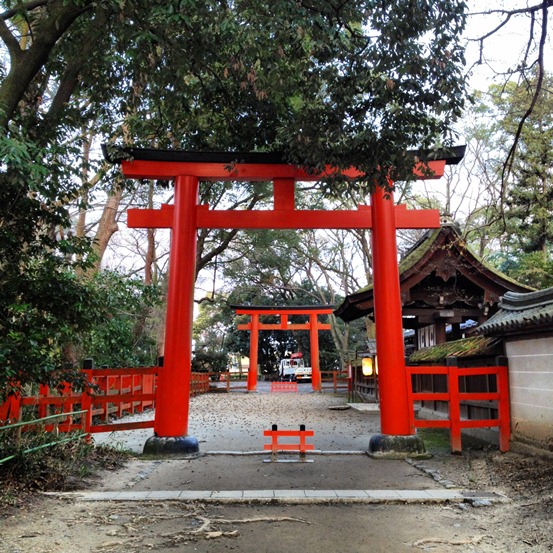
508, 165
8, 14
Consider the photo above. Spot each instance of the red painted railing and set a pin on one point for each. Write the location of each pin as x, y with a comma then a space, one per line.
111, 393
455, 397
339, 379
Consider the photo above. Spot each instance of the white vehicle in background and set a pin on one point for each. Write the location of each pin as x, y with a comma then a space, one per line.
293, 369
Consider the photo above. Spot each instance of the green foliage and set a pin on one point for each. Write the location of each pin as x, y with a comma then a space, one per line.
531, 268
42, 302
356, 83
46, 305
125, 337
210, 361
525, 205
531, 193
210, 329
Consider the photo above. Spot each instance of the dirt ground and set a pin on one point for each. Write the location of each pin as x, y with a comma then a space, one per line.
521, 523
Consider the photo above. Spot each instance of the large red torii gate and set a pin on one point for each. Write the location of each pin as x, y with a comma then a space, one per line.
313, 325
185, 216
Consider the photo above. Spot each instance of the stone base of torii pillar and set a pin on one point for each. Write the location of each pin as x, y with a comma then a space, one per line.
384, 446
187, 446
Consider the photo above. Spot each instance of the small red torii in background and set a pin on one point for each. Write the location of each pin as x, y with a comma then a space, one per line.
185, 217
313, 326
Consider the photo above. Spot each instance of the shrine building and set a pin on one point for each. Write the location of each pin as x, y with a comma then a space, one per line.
443, 285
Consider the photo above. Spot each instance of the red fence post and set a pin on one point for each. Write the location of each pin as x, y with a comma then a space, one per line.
43, 392
108, 381
454, 409
504, 410
410, 400
4, 410
11, 409
86, 402
147, 388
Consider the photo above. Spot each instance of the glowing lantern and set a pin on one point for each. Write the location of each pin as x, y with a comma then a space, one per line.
367, 366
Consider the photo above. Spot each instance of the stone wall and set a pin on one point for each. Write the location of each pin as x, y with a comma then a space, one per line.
531, 388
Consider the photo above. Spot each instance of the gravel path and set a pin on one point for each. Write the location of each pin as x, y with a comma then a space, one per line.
235, 422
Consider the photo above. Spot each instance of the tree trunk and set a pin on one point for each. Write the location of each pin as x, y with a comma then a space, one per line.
107, 226
151, 247
26, 64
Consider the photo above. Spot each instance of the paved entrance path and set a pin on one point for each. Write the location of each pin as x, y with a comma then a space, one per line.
235, 421
233, 467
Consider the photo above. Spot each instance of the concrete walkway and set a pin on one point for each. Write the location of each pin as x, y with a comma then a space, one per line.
294, 496
231, 467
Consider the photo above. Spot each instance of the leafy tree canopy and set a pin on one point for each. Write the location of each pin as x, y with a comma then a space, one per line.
345, 83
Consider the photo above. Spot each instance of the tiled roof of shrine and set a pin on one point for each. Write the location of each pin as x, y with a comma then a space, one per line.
521, 314
441, 253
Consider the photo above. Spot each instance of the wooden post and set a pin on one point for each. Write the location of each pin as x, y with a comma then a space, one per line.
86, 403
504, 410
254, 348
454, 409
394, 401
316, 384
172, 406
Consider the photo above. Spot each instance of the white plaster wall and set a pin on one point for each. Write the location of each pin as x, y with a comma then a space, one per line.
531, 389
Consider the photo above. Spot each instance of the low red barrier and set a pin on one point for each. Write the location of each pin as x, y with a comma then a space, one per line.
275, 446
284, 386
454, 397
339, 380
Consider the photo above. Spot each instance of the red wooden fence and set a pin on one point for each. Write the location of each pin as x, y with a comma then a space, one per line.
454, 397
126, 391
340, 380
111, 393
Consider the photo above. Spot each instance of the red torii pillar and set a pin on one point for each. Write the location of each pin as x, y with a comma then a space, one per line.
313, 326
185, 217
254, 353
387, 311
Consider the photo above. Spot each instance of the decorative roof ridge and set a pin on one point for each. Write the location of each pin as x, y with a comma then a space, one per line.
419, 249
448, 236
517, 301
458, 241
